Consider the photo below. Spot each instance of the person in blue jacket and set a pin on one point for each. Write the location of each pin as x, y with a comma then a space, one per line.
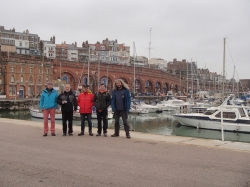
120, 104
48, 105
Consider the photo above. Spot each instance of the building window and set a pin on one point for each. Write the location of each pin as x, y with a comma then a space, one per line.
31, 70
20, 37
21, 78
12, 90
31, 79
0, 81
20, 43
65, 78
12, 78
47, 78
26, 44
39, 80
39, 71
12, 69
0, 71
47, 71
21, 70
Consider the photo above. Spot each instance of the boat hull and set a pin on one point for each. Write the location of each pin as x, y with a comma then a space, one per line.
207, 123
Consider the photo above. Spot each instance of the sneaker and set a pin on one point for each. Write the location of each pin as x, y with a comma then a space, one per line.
64, 134
115, 135
81, 134
105, 135
53, 134
98, 134
128, 135
91, 134
45, 134
70, 134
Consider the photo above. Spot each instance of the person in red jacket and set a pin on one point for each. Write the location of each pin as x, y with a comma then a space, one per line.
85, 102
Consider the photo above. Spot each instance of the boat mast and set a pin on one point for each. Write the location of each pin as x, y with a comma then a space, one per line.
223, 75
134, 62
88, 66
192, 78
233, 81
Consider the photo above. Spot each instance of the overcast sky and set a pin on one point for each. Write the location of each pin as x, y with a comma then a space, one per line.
182, 29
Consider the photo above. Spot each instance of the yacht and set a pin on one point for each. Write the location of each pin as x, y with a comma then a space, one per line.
144, 106
235, 118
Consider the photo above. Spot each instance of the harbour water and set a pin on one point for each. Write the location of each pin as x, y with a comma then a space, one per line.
162, 123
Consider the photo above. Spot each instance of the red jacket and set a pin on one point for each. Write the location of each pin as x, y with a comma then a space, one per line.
85, 102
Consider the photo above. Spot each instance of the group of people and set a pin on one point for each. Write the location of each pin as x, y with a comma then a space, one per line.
120, 103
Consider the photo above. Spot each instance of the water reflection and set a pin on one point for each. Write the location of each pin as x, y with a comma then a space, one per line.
210, 134
163, 123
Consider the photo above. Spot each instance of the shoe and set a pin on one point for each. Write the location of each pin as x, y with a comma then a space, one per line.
45, 134
98, 134
81, 134
53, 134
105, 135
70, 134
91, 134
128, 135
64, 134
115, 135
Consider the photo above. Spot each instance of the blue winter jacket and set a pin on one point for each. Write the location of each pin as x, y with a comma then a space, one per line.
127, 100
47, 100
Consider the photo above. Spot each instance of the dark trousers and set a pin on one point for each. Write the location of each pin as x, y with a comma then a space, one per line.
102, 116
124, 115
83, 116
67, 116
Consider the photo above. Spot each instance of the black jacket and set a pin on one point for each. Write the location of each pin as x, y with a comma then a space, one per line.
102, 100
71, 101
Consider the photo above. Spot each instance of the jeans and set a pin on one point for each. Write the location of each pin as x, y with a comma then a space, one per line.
102, 116
83, 116
124, 115
67, 116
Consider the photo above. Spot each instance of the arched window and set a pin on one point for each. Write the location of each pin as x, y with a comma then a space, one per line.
104, 81
147, 84
85, 80
65, 78
12, 69
39, 71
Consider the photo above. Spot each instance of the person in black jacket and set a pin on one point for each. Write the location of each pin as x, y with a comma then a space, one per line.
102, 100
68, 103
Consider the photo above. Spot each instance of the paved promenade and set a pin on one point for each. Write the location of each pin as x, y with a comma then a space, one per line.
29, 159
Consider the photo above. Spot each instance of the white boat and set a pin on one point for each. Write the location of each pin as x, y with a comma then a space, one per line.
164, 105
93, 115
137, 109
36, 113
144, 106
235, 118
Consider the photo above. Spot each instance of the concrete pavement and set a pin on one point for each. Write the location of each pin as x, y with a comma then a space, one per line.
29, 159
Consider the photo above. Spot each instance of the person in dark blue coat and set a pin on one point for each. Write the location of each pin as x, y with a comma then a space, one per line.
120, 104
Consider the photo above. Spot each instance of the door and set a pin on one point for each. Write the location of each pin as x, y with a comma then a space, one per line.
21, 95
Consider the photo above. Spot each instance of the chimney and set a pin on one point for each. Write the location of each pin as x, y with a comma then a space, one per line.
75, 44
27, 31
54, 40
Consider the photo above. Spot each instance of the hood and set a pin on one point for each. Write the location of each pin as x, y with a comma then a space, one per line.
124, 85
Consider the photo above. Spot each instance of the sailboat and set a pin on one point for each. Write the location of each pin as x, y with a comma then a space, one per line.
234, 117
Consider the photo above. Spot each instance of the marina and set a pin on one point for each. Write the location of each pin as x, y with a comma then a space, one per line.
152, 123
